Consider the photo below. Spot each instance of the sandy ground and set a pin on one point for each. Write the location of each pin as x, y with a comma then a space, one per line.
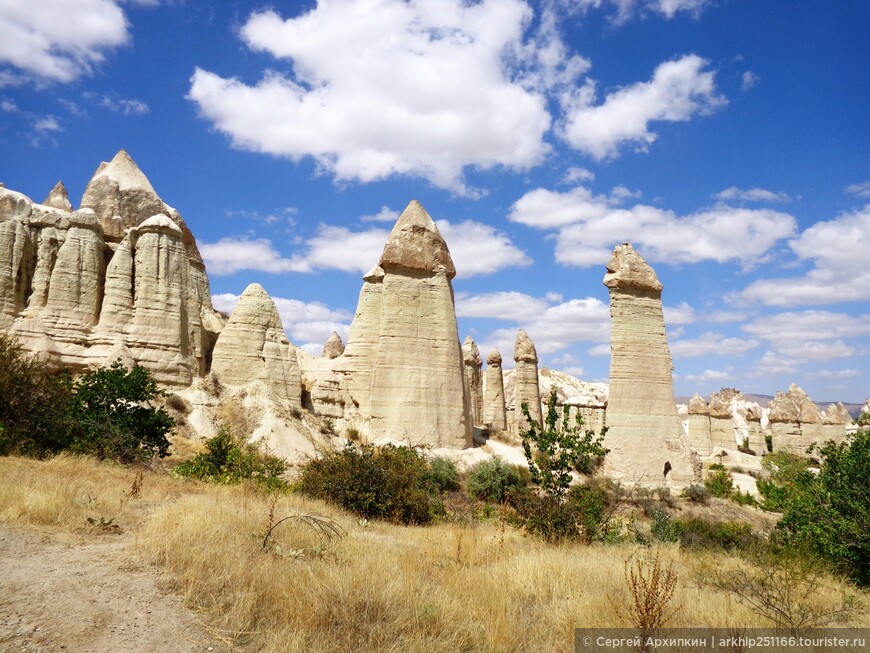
88, 598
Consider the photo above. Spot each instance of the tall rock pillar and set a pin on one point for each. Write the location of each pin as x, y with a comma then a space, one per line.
473, 364
418, 387
526, 389
645, 436
494, 413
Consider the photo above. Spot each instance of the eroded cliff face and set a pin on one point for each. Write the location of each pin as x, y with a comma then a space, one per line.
645, 431
120, 277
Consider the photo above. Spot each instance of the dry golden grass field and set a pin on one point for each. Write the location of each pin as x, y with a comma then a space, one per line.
479, 586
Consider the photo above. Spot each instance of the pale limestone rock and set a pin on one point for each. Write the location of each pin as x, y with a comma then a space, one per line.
795, 421
253, 347
699, 426
721, 422
16, 254
587, 399
494, 414
357, 362
835, 421
58, 198
473, 364
334, 347
644, 428
756, 435
418, 382
526, 388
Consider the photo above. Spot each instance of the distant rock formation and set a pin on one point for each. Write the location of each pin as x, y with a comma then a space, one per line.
699, 426
494, 413
333, 347
473, 364
721, 422
797, 423
645, 435
254, 347
526, 388
401, 376
120, 277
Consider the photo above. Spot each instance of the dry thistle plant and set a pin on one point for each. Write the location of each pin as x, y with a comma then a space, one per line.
651, 586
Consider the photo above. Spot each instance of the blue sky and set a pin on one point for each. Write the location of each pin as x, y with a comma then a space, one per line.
728, 141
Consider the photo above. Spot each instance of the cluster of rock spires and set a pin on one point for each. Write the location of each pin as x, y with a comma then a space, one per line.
121, 277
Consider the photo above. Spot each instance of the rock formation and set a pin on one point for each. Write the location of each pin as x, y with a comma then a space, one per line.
473, 381
417, 381
494, 414
334, 347
699, 426
121, 276
645, 436
526, 388
721, 422
795, 421
254, 347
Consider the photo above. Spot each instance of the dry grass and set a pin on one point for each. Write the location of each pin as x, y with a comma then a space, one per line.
379, 588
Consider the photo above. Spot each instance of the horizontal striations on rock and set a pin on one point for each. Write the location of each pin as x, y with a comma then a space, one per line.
494, 412
644, 428
473, 366
526, 388
254, 347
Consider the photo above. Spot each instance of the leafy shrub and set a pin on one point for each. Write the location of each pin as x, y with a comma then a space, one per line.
696, 494
743, 498
228, 461
490, 479
113, 416
719, 483
583, 514
389, 482
664, 528
829, 513
34, 404
553, 449
703, 534
443, 474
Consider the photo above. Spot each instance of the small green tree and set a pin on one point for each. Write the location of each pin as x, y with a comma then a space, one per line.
557, 447
114, 417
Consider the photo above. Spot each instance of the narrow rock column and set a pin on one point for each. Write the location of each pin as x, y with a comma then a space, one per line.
526, 388
721, 424
756, 437
699, 426
494, 413
834, 423
645, 436
418, 387
473, 364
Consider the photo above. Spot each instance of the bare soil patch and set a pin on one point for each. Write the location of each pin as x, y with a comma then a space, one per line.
88, 597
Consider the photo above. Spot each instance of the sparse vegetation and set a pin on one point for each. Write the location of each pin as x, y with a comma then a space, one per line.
227, 460
696, 494
719, 482
388, 482
492, 479
651, 586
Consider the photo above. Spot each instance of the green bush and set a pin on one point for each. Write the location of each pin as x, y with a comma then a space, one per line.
228, 461
113, 416
489, 480
743, 498
388, 482
583, 514
719, 483
556, 447
829, 513
105, 413
696, 494
728, 535
664, 527
443, 475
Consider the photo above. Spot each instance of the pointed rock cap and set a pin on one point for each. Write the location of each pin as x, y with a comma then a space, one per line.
334, 347
697, 405
718, 407
494, 357
256, 307
470, 352
161, 222
123, 171
837, 414
416, 244
753, 413
375, 275
524, 350
58, 198
627, 269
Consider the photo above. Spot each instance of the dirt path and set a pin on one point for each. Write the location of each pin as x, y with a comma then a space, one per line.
88, 598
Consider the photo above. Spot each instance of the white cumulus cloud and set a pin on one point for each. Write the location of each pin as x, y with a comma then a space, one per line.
386, 87
230, 255
678, 90
711, 344
752, 195
59, 40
